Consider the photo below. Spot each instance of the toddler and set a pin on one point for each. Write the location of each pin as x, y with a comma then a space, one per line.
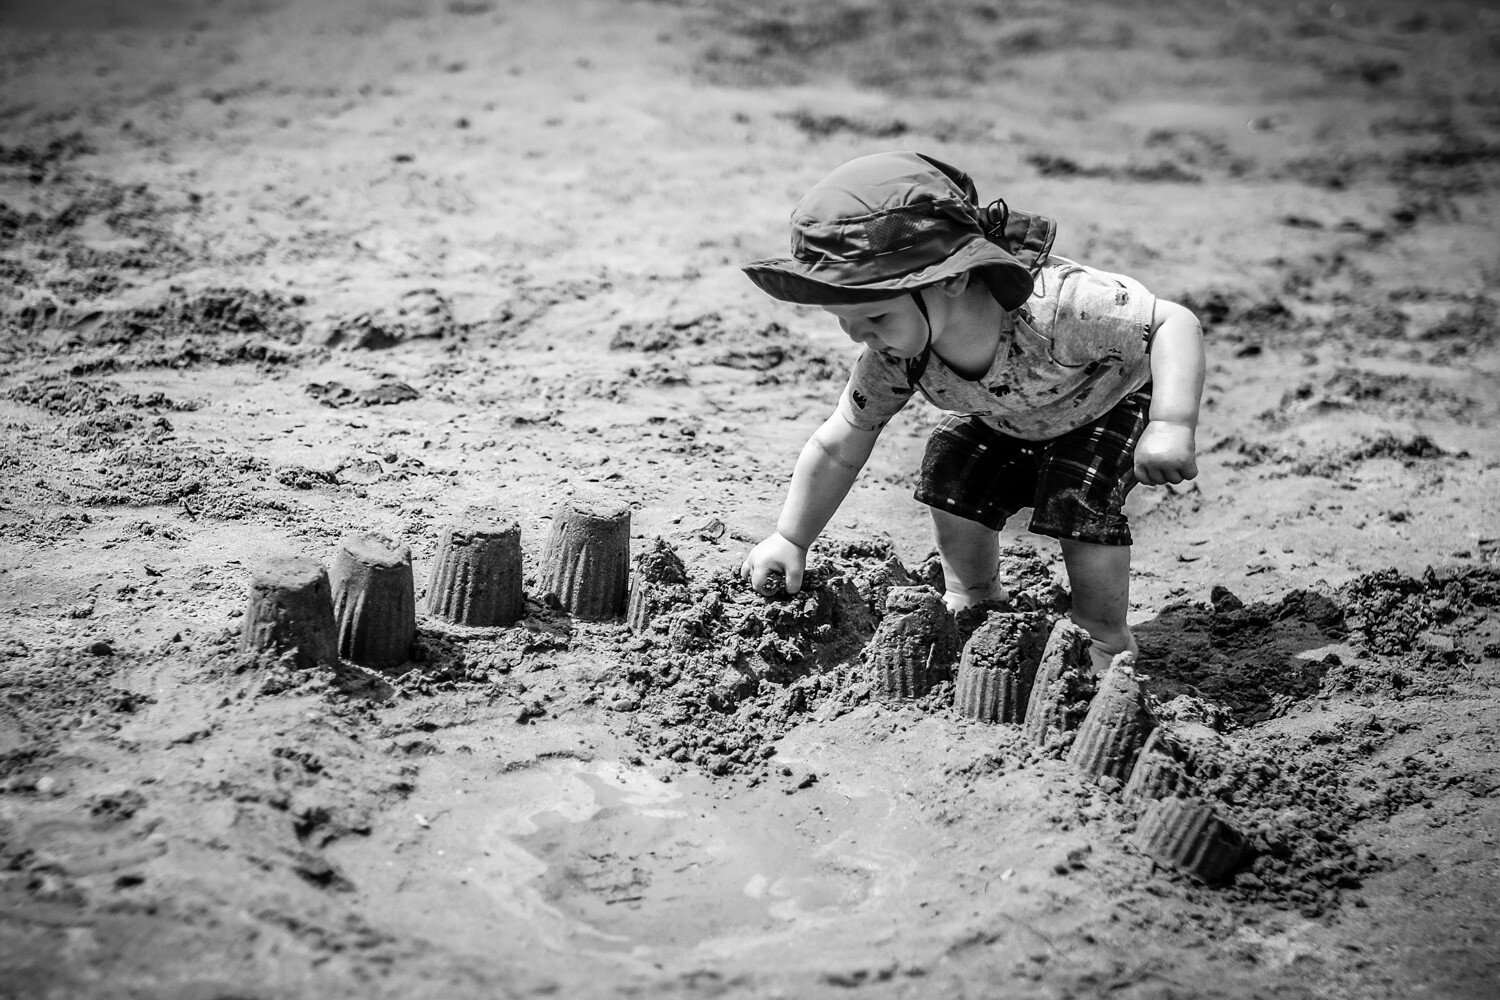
1065, 386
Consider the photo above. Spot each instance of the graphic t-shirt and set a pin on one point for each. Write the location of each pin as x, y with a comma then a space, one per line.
1065, 358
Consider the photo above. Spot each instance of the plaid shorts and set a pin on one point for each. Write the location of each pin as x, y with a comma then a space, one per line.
1076, 484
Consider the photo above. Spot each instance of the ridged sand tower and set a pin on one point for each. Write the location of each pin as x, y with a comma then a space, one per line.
998, 666
476, 576
587, 561
1064, 685
1187, 834
914, 644
374, 600
1176, 759
1117, 723
291, 610
659, 576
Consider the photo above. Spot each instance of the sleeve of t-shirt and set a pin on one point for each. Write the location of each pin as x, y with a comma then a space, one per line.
876, 391
1092, 314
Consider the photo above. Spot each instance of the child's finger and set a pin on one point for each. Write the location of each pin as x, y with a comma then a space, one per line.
793, 580
769, 585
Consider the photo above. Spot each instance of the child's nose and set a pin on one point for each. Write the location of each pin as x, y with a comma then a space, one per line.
853, 331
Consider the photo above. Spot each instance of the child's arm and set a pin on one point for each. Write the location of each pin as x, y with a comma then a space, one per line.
1165, 452
826, 469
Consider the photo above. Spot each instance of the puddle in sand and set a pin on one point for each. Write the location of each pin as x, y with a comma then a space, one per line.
607, 857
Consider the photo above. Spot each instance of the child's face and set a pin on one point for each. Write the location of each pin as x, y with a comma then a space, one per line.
893, 327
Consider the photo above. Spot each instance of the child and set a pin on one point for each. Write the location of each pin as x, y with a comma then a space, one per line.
1065, 385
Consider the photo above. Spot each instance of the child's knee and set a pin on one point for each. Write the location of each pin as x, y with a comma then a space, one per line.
951, 529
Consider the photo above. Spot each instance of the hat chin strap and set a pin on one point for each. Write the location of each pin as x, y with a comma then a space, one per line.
916, 367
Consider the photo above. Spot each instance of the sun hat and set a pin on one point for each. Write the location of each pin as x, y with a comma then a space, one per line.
884, 224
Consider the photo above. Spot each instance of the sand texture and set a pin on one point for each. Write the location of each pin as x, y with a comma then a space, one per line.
278, 272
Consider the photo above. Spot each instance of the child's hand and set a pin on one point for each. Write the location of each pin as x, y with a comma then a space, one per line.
774, 563
1165, 454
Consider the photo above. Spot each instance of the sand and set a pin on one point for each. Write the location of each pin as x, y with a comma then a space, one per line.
276, 273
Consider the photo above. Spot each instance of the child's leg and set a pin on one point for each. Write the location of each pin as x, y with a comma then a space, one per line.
971, 561
1099, 576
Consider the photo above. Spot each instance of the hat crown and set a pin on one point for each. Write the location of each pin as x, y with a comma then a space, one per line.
882, 182
881, 225
880, 204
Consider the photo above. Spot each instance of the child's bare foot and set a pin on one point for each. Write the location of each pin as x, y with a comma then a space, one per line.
1103, 653
991, 592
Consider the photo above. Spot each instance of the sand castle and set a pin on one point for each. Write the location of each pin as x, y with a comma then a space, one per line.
363, 608
586, 565
476, 576
1116, 740
997, 668
374, 600
1064, 685
1174, 760
1187, 834
913, 645
1010, 671
291, 611
659, 576
1117, 723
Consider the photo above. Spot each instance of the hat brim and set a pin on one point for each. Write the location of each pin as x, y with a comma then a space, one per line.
792, 280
